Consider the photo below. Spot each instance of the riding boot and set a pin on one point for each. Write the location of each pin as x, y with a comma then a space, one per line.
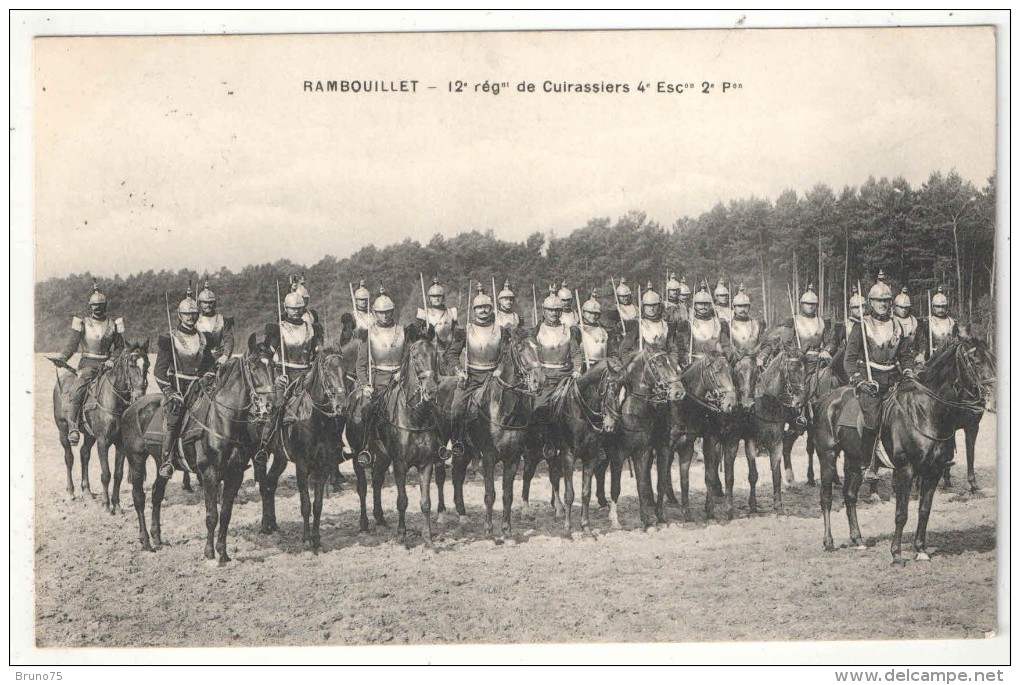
166, 454
73, 415
365, 457
869, 438
261, 458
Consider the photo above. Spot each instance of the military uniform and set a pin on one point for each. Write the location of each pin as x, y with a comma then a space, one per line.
656, 333
722, 303
625, 315
219, 329
443, 319
97, 339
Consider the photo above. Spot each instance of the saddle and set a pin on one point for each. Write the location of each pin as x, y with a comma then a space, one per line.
191, 431
851, 417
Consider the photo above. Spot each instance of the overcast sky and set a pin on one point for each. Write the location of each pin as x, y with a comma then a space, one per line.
201, 152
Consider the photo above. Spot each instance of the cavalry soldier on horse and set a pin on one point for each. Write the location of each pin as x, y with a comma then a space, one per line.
722, 302
362, 317
506, 315
218, 329
746, 334
807, 332
297, 285
483, 345
379, 360
295, 340
98, 338
566, 295
597, 343
184, 356
675, 309
936, 330
558, 347
877, 354
655, 331
705, 333
855, 308
901, 310
625, 316
444, 320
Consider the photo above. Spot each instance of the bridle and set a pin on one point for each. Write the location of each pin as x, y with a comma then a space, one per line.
121, 371
417, 395
660, 387
790, 391
521, 373
336, 397
712, 399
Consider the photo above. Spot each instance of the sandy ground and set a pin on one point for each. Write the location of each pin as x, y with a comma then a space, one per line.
758, 577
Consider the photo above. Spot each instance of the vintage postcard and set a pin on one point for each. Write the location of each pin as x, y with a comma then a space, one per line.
504, 338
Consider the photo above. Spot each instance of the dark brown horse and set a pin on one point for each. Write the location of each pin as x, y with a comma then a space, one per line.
740, 425
969, 420
711, 395
651, 386
781, 393
917, 429
499, 429
312, 424
826, 381
220, 433
404, 432
109, 395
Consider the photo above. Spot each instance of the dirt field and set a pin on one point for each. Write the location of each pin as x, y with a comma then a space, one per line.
756, 578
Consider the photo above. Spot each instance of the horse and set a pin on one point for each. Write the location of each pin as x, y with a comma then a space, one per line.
917, 429
110, 393
406, 432
311, 427
711, 394
499, 428
651, 385
740, 425
969, 420
780, 392
220, 433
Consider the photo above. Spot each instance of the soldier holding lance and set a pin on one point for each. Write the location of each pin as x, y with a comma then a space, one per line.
597, 342
722, 302
626, 313
654, 331
705, 332
359, 300
569, 317
218, 329
443, 319
558, 347
934, 331
807, 332
97, 338
746, 334
901, 310
675, 309
855, 308
506, 315
184, 355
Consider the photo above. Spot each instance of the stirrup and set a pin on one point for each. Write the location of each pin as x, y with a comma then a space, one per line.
457, 449
261, 458
871, 475
73, 436
365, 459
166, 470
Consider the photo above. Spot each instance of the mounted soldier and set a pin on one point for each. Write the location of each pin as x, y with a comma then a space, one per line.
483, 344
901, 310
184, 356
362, 316
444, 320
295, 340
936, 330
855, 307
98, 338
297, 285
675, 310
705, 333
566, 295
722, 302
625, 316
878, 354
558, 347
746, 334
218, 329
656, 333
597, 342
506, 314
685, 294
807, 332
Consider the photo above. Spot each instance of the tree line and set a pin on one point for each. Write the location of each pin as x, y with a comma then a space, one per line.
941, 233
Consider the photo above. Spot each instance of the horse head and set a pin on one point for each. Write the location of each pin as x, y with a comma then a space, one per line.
745, 379
785, 378
135, 374
524, 351
257, 374
655, 378
978, 371
421, 362
333, 380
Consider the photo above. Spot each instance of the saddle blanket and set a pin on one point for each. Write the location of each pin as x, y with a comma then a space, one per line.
190, 432
851, 417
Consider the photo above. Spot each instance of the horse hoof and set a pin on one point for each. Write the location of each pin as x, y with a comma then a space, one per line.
811, 482
441, 518
829, 546
603, 504
922, 556
146, 547
224, 560
898, 562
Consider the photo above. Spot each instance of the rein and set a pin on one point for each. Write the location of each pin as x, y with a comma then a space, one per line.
711, 400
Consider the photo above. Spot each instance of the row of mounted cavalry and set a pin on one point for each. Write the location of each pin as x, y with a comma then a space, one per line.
636, 410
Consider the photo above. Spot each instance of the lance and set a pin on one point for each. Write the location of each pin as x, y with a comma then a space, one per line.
493, 293
616, 297
793, 313
864, 338
467, 326
931, 340
279, 311
173, 350
534, 304
580, 328
640, 338
424, 299
354, 305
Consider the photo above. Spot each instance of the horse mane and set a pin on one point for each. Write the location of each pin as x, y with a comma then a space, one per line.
938, 371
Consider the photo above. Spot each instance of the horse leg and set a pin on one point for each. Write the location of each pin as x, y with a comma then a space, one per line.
710, 450
319, 479
103, 450
509, 473
440, 475
186, 484
853, 476
730, 448
752, 476
651, 515
379, 468
267, 489
903, 477
789, 438
211, 491
827, 467
68, 461
306, 502
118, 478
489, 476
137, 477
670, 492
615, 472
231, 485
400, 478
85, 454
686, 457
425, 485
811, 458
530, 464
568, 490
362, 479
776, 453
587, 470
459, 475
158, 491
663, 479
600, 481
970, 432
927, 486
555, 475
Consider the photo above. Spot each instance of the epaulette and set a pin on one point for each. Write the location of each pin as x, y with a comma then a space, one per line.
118, 325
77, 324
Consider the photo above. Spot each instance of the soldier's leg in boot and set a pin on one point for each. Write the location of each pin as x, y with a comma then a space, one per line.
72, 409
870, 407
171, 429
